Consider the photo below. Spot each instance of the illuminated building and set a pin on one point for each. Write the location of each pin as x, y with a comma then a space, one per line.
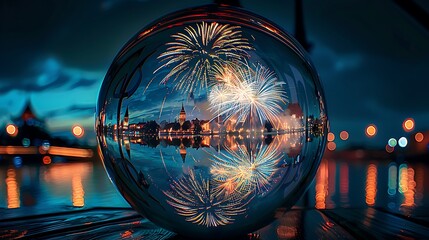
182, 151
125, 123
182, 116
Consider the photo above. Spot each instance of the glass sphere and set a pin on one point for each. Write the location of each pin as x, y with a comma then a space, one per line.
211, 119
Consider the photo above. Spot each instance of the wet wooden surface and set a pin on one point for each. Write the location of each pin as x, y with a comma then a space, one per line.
124, 223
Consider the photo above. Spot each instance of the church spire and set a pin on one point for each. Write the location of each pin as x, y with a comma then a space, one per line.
182, 115
28, 112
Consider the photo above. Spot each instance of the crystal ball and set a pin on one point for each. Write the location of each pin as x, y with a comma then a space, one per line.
210, 120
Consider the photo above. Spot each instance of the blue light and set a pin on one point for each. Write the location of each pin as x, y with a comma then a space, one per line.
46, 145
402, 142
17, 161
26, 142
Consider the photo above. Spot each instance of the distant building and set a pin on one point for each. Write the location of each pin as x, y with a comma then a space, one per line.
125, 123
30, 131
182, 151
182, 116
27, 117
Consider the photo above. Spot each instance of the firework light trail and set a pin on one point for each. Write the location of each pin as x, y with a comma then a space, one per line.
193, 197
195, 51
246, 93
245, 172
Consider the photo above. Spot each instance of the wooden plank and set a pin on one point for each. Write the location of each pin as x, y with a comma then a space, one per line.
373, 223
414, 214
50, 224
294, 224
303, 224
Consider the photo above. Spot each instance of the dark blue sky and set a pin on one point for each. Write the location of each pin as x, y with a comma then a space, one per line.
372, 57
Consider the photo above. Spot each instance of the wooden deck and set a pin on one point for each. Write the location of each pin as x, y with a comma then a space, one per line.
124, 223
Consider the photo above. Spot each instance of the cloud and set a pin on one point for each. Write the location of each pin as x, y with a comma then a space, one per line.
50, 76
73, 109
84, 83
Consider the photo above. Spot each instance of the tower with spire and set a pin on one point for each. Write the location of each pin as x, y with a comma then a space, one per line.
125, 123
182, 116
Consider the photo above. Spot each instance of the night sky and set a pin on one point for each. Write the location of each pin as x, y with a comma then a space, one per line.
372, 58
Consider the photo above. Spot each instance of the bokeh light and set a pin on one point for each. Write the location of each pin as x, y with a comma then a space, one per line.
78, 131
419, 137
344, 135
17, 161
371, 130
408, 124
331, 137
47, 160
12, 130
371, 185
389, 148
331, 146
12, 189
392, 142
26, 142
402, 142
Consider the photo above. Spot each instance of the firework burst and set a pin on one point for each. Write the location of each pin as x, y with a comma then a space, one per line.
194, 198
245, 172
194, 52
245, 93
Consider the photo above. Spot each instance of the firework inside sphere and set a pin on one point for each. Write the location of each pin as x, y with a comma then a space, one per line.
211, 119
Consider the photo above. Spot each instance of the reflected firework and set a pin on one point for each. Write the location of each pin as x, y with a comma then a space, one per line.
246, 93
193, 197
193, 53
243, 171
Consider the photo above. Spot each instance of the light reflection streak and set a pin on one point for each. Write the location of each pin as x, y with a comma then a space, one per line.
70, 152
59, 151
420, 173
392, 179
371, 185
13, 190
409, 195
11, 150
344, 183
403, 178
321, 185
78, 193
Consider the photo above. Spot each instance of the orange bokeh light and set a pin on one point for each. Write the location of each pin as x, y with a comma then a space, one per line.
344, 135
371, 130
331, 137
47, 160
12, 190
12, 130
408, 124
78, 131
332, 146
419, 137
371, 185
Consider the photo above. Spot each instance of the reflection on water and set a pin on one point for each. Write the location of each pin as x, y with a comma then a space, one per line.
13, 200
338, 183
39, 188
371, 185
387, 184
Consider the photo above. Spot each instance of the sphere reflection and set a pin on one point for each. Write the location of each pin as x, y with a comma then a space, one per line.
210, 120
